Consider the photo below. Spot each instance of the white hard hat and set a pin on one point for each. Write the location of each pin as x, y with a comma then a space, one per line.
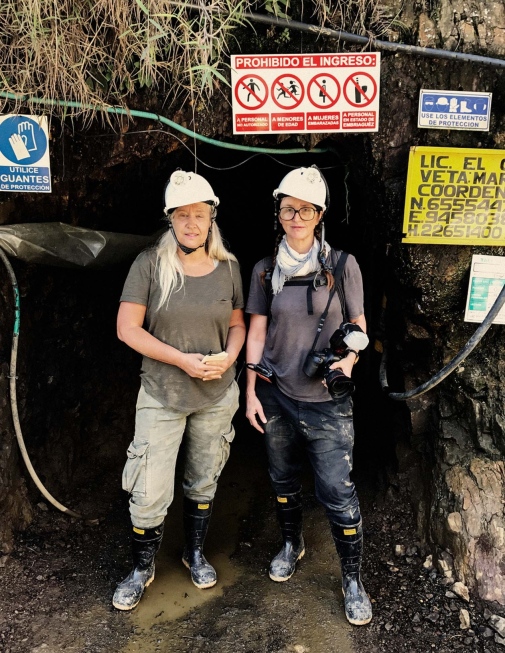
306, 184
187, 188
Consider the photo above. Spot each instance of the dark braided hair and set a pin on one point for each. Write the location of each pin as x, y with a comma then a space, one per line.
278, 238
326, 268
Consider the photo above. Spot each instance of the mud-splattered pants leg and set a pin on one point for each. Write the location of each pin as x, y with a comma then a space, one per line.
325, 432
150, 467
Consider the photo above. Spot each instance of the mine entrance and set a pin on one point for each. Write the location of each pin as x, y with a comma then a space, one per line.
81, 382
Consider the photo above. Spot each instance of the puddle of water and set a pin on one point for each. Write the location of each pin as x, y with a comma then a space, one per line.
172, 594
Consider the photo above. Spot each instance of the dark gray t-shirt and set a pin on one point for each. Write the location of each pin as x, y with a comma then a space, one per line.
291, 330
196, 319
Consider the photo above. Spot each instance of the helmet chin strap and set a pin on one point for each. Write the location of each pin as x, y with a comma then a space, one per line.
188, 250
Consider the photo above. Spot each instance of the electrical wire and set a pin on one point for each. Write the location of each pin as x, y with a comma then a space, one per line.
451, 365
158, 117
13, 400
208, 165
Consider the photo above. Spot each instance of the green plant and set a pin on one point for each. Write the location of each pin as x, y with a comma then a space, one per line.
102, 51
278, 7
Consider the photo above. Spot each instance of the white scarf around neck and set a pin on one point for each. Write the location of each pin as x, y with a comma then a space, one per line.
291, 264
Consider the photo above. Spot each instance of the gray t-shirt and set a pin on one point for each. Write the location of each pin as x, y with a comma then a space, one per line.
196, 319
291, 330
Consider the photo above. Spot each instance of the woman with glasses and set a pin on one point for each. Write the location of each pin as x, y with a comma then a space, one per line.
182, 309
303, 304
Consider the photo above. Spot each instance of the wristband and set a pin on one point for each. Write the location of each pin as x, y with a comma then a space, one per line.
353, 351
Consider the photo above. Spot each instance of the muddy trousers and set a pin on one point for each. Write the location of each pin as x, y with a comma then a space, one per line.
323, 432
150, 467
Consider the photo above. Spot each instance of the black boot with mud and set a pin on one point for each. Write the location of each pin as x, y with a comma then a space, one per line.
145, 545
349, 544
289, 515
196, 522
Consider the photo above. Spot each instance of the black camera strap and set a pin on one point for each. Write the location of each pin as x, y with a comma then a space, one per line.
337, 273
313, 284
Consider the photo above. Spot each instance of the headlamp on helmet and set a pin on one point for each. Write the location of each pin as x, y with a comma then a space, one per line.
307, 184
185, 188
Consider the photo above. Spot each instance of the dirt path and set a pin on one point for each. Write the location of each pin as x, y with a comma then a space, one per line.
55, 588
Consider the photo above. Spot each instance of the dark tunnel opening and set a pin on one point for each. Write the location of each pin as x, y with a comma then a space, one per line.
81, 382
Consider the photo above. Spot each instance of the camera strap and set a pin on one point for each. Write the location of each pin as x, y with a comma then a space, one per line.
337, 273
313, 284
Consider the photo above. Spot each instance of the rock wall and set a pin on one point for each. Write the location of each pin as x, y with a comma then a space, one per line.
452, 450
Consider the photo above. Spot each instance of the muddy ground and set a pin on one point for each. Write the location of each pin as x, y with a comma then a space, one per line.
56, 586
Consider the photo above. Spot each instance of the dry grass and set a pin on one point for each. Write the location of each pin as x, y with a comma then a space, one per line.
101, 52
363, 17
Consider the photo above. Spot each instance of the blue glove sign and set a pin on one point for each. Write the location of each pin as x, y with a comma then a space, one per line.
22, 140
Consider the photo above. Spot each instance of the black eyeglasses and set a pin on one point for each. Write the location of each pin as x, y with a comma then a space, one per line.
306, 213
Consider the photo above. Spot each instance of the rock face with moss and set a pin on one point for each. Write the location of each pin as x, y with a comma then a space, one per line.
450, 442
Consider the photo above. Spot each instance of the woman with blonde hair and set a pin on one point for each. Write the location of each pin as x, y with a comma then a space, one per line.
182, 309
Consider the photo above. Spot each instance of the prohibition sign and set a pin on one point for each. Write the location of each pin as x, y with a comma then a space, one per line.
290, 89
362, 87
253, 88
326, 87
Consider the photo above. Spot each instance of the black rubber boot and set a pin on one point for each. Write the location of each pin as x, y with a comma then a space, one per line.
145, 545
196, 522
349, 543
289, 514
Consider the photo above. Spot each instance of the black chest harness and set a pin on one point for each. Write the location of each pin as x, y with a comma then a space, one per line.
313, 284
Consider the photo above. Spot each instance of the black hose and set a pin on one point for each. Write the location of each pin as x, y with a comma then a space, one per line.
452, 365
377, 44
341, 35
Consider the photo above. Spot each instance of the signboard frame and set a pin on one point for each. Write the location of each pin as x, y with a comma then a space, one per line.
24, 154
455, 196
487, 277
463, 110
305, 93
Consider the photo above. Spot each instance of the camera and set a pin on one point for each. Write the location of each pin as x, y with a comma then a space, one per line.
263, 372
348, 336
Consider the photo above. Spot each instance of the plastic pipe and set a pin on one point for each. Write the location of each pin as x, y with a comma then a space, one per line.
14, 404
159, 118
451, 365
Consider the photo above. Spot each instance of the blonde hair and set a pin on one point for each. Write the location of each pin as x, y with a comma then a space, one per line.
169, 266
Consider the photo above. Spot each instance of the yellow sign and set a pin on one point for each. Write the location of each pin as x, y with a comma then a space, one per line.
455, 196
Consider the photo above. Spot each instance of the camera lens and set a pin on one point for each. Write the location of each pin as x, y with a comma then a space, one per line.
339, 385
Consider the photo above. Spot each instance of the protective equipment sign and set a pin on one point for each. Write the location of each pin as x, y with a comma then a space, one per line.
305, 93
455, 196
454, 110
487, 276
24, 154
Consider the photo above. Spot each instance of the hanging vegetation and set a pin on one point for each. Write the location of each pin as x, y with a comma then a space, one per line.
103, 51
